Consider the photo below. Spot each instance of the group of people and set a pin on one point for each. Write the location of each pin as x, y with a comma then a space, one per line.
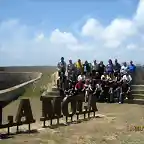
106, 82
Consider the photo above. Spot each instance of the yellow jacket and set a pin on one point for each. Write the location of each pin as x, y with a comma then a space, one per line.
79, 65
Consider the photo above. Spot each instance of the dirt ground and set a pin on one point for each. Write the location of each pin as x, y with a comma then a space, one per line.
113, 127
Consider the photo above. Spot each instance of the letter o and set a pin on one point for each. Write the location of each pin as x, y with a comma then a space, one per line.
65, 109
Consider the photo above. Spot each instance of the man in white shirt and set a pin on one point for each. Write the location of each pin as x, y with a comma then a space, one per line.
124, 68
94, 67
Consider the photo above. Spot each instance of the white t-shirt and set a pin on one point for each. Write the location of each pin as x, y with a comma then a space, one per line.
127, 78
94, 66
124, 69
81, 77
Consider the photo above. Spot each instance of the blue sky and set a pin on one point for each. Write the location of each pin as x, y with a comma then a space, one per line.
39, 32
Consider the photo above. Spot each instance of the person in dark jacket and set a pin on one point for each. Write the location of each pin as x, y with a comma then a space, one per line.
116, 67
87, 68
101, 68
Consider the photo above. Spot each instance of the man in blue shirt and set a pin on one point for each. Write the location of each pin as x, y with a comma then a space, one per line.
131, 67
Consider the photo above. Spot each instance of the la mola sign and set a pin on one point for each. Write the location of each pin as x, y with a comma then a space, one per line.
52, 108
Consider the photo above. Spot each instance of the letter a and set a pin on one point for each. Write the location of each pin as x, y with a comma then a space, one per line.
24, 110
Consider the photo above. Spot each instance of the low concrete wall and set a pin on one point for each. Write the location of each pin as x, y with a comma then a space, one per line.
139, 76
10, 79
13, 84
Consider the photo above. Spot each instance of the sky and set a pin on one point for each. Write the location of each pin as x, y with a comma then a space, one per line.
40, 32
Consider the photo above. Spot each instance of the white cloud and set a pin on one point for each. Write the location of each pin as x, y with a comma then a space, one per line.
122, 38
138, 17
92, 28
131, 47
118, 31
67, 40
59, 37
40, 37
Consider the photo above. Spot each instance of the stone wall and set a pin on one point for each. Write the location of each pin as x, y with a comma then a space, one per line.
10, 79
13, 84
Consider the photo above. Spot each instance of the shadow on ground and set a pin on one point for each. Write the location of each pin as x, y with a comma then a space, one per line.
11, 135
138, 102
69, 122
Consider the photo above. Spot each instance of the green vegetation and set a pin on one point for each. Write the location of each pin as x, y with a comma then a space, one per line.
34, 90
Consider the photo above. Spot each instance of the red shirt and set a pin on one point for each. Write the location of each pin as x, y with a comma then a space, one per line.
79, 85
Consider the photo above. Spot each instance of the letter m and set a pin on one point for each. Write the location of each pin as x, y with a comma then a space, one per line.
51, 108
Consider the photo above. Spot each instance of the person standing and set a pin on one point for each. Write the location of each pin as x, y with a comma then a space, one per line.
109, 67
124, 68
117, 67
71, 68
79, 66
101, 68
61, 66
132, 69
94, 67
87, 68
